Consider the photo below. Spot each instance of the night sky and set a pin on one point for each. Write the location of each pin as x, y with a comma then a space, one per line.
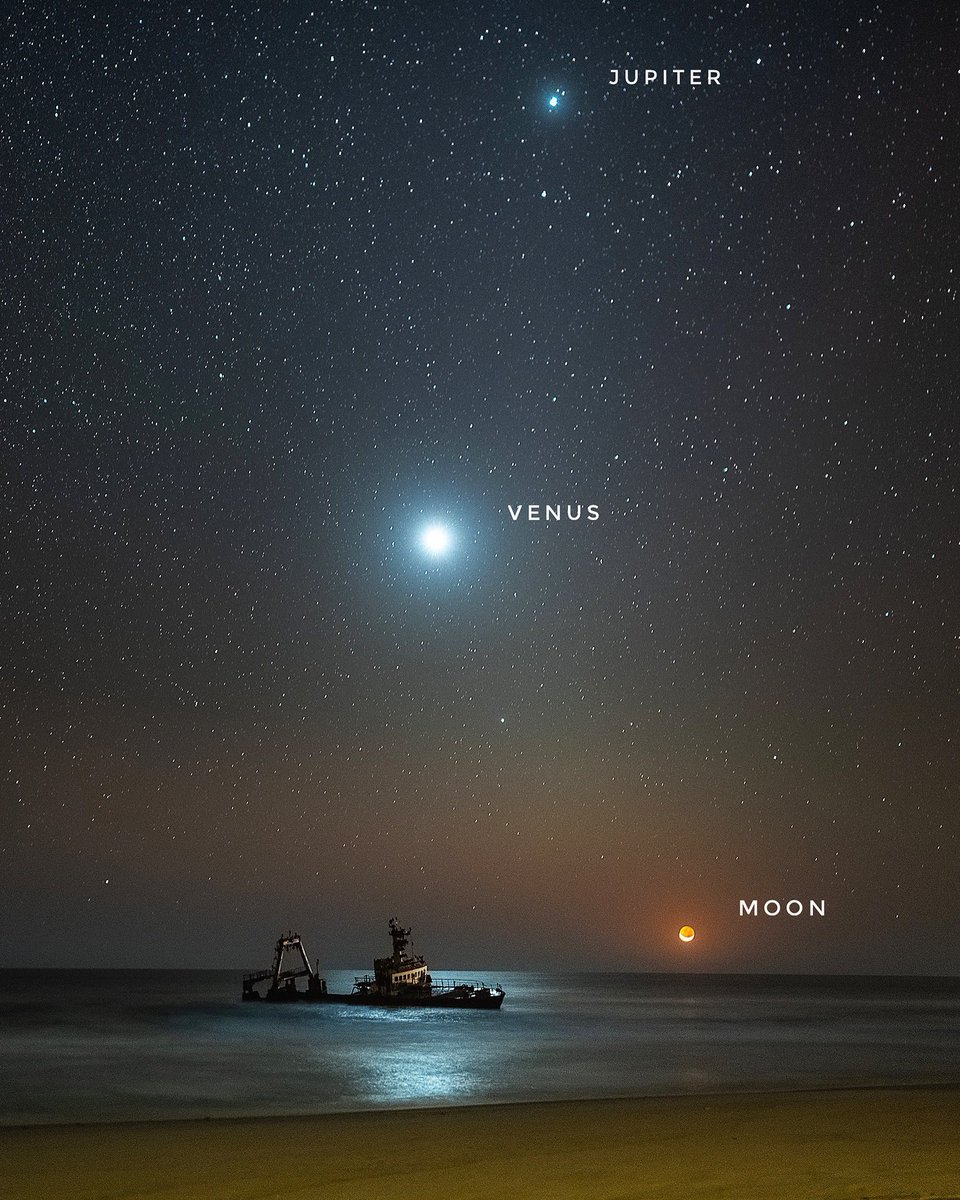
285, 284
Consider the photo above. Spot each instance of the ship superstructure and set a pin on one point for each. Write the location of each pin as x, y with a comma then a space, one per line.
401, 971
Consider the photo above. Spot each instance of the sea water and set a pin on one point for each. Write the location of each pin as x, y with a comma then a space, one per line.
134, 1045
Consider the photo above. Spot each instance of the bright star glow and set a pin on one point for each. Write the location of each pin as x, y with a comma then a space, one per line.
554, 101
435, 539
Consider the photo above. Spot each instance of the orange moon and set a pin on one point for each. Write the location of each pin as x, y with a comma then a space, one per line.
687, 933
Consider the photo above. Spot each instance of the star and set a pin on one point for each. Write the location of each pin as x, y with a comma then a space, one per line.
436, 539
554, 101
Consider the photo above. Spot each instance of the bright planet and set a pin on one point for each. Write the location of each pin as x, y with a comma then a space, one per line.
436, 539
687, 933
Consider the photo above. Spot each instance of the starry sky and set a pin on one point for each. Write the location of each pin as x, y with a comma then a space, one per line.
286, 284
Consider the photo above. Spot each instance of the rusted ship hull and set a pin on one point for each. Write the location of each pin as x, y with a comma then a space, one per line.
488, 998
481, 998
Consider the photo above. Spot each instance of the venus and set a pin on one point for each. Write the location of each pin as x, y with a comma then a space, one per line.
435, 539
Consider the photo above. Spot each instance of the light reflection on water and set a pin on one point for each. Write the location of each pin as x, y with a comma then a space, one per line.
76, 1046
430, 1077
398, 1057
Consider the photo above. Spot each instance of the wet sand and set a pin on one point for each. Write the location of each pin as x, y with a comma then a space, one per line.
857, 1144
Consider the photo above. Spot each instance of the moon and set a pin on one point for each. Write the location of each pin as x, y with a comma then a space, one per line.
687, 933
436, 540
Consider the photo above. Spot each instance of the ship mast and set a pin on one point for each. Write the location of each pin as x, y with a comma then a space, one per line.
400, 937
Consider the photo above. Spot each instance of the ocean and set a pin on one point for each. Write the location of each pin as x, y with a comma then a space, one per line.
97, 1046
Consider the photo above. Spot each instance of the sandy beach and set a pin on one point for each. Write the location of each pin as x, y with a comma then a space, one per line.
857, 1144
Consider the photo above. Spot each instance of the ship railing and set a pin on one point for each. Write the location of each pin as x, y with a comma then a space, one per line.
257, 976
448, 984
436, 983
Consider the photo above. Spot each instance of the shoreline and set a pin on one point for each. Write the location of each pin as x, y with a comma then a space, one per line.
624, 1098
841, 1143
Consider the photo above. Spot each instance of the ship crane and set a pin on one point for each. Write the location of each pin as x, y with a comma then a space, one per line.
283, 983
